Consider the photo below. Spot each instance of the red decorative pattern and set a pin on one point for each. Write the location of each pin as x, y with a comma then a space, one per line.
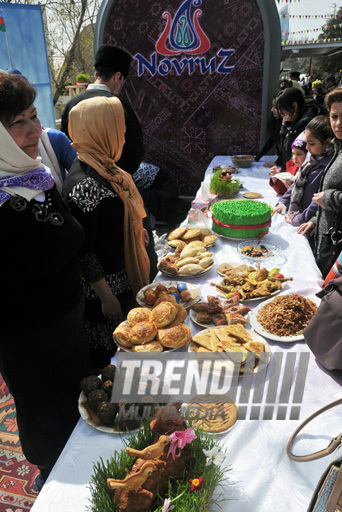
17, 490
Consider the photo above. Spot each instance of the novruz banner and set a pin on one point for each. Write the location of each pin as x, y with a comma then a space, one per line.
197, 78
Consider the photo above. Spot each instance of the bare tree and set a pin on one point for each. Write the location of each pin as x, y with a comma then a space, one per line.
69, 33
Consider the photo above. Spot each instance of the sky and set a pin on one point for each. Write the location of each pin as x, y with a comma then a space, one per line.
311, 8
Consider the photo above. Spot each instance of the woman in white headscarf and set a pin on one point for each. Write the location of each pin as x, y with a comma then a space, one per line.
43, 354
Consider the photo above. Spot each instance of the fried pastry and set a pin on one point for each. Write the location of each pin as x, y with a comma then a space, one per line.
137, 315
209, 239
236, 318
177, 233
174, 337
143, 332
179, 247
191, 269
190, 233
206, 262
187, 261
151, 346
167, 264
196, 243
175, 243
181, 314
205, 232
164, 314
122, 335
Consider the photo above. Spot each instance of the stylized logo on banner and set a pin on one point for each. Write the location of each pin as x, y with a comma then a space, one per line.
184, 35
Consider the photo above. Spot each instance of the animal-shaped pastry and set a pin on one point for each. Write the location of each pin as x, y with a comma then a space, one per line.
150, 452
134, 481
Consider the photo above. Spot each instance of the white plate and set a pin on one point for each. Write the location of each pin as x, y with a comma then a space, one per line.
194, 290
86, 416
255, 336
185, 275
259, 329
234, 264
276, 250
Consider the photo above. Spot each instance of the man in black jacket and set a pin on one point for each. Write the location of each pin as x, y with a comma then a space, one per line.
111, 70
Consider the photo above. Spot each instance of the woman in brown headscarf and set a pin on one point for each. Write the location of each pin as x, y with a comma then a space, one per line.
106, 202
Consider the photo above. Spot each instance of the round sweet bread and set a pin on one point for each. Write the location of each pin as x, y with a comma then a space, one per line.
143, 332
214, 417
191, 233
174, 337
137, 315
152, 346
177, 233
163, 314
122, 335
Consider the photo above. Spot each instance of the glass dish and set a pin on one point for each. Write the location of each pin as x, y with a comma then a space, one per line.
268, 250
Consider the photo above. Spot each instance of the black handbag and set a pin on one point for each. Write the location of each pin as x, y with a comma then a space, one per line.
327, 496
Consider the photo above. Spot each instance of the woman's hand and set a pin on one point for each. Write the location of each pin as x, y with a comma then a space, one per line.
318, 198
110, 305
274, 170
146, 237
111, 309
307, 227
289, 217
277, 209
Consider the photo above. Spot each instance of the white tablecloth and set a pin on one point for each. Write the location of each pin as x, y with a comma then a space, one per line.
262, 477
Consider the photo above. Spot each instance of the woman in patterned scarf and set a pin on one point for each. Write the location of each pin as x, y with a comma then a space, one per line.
105, 200
43, 349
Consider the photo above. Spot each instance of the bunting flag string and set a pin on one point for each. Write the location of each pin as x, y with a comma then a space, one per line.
311, 41
328, 27
310, 16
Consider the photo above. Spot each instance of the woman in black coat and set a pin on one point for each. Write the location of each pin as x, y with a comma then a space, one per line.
296, 114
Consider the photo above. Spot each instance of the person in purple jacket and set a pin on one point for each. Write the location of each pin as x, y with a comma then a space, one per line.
297, 200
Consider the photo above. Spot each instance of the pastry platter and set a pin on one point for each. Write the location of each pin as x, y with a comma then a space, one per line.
194, 291
179, 274
200, 234
126, 349
258, 328
90, 417
194, 347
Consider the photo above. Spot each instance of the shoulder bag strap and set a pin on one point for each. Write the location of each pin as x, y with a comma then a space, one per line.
334, 443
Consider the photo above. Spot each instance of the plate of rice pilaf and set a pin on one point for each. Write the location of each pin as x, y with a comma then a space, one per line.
283, 318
